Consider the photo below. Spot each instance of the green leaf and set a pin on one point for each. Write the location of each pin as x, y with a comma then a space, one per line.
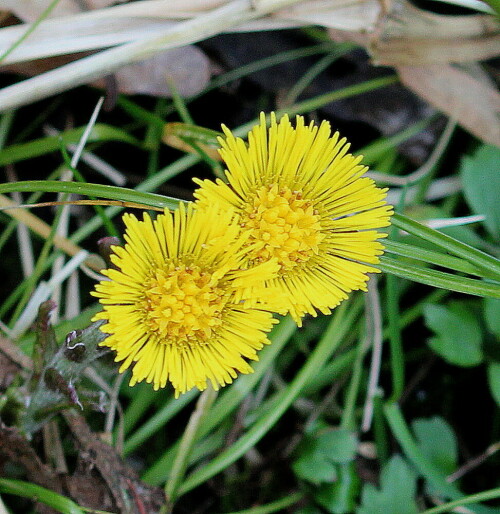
340, 497
494, 380
396, 494
434, 477
437, 442
458, 333
481, 182
340, 445
320, 454
422, 213
314, 468
492, 315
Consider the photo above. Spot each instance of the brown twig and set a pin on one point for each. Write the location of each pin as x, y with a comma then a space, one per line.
121, 481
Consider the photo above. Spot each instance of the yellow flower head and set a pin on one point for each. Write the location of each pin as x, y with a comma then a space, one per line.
173, 306
302, 200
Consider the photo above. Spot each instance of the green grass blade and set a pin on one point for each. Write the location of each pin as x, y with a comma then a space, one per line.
268, 62
156, 422
31, 28
432, 257
276, 506
40, 494
45, 145
473, 255
374, 151
341, 321
473, 498
439, 278
318, 101
231, 398
122, 194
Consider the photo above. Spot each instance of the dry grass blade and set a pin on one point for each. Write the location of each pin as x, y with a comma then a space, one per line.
135, 21
41, 228
92, 67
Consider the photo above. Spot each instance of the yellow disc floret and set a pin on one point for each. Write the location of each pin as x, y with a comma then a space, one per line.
283, 225
183, 306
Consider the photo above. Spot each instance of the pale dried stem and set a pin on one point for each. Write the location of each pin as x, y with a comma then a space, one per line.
42, 229
374, 336
23, 235
92, 67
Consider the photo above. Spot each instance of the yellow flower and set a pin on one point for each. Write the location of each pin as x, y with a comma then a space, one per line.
302, 200
173, 306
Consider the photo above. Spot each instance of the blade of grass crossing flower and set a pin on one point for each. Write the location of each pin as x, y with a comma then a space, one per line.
39, 494
435, 477
473, 255
341, 322
98, 190
439, 279
147, 185
96, 222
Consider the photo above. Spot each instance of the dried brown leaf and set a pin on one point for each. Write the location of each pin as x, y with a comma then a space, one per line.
186, 67
469, 98
183, 136
407, 35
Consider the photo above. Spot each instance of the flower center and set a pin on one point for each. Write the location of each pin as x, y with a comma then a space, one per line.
183, 306
284, 226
